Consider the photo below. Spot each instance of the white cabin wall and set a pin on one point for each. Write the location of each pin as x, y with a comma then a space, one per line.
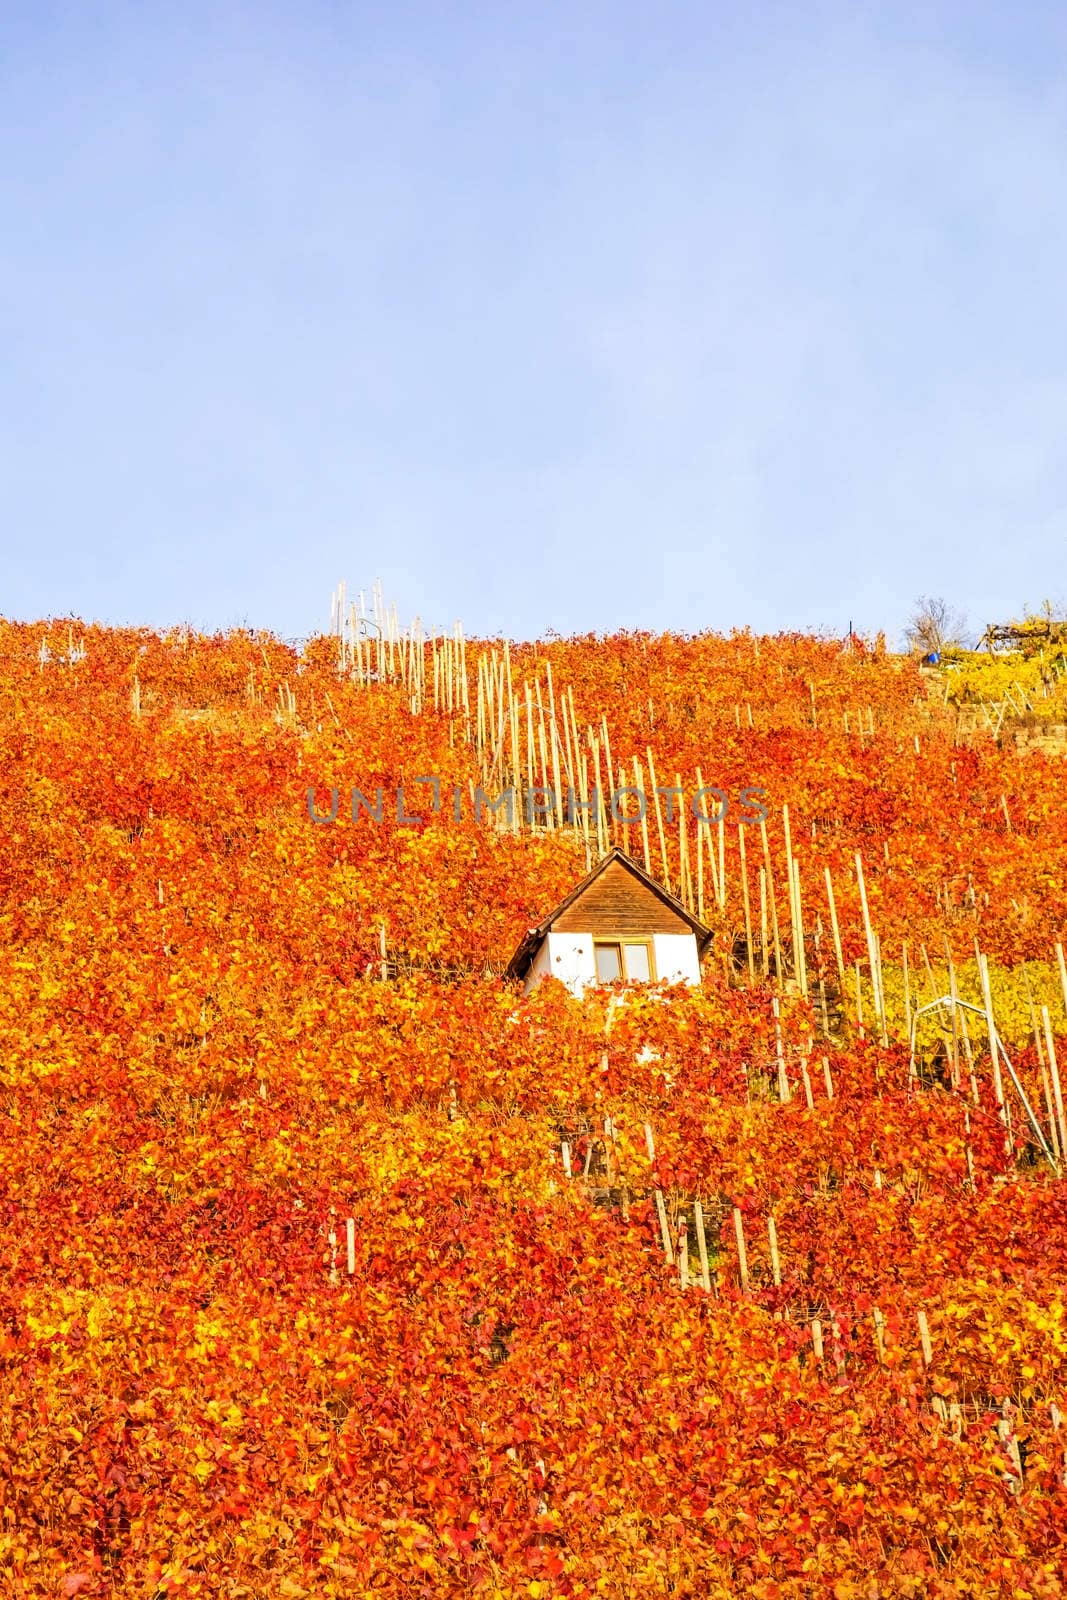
572, 960
538, 968
566, 956
677, 958
569, 957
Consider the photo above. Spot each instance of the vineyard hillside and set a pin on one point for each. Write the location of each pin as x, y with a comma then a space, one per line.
333, 1264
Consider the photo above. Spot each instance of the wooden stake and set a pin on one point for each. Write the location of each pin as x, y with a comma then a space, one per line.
809, 1097
612, 825
639, 785
799, 958
659, 817
529, 756
764, 961
879, 1334
745, 901
994, 1053
954, 1057
772, 1240
602, 818
704, 834
683, 849
871, 951
1054, 1074
791, 887
742, 1258
1050, 1110
784, 1094
664, 1230
836, 933
702, 1246
771, 897
722, 863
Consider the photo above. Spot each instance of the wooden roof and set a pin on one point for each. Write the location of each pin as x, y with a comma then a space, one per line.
676, 912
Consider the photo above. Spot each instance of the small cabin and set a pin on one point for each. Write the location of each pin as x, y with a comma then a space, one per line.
619, 924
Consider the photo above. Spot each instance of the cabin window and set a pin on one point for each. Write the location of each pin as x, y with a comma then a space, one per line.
638, 962
608, 962
619, 958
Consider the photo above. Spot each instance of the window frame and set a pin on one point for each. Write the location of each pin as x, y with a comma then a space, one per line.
621, 943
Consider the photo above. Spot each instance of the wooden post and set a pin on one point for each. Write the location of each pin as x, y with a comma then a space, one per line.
542, 747
879, 1335
603, 819
924, 1335
742, 1258
994, 1053
764, 954
650, 1144
791, 886
784, 1094
565, 1151
745, 902
1054, 1074
529, 754
806, 1080
350, 1241
871, 951
816, 1339
683, 1258
827, 1078
800, 960
639, 784
664, 1230
684, 876
554, 739
659, 816
1050, 1109
954, 996
722, 863
771, 897
836, 933
772, 1240
702, 1246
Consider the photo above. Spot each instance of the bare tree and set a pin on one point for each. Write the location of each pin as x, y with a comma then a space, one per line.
935, 626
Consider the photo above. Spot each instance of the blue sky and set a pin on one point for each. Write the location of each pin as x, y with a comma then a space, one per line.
573, 317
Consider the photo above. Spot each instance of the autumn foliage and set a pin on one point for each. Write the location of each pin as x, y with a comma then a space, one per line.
204, 1073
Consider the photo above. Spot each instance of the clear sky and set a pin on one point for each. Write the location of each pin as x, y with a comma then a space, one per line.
552, 316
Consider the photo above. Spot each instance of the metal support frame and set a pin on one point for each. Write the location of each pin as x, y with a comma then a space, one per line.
949, 1001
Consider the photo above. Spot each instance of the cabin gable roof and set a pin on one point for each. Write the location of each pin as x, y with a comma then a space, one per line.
617, 898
